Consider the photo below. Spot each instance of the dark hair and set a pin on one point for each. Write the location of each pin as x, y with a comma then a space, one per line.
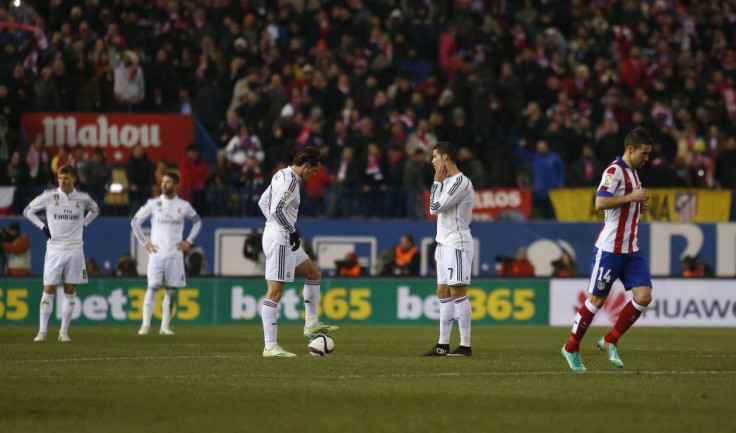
174, 176
446, 148
638, 137
311, 155
68, 170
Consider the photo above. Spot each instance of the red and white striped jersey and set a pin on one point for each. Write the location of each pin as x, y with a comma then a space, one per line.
620, 233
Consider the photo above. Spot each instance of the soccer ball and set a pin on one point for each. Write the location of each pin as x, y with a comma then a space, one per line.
321, 345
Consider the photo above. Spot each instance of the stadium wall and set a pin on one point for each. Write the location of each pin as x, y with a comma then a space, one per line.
221, 240
390, 301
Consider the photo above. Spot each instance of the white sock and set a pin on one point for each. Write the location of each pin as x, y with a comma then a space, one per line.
311, 301
270, 316
166, 307
47, 306
447, 316
462, 307
148, 302
67, 308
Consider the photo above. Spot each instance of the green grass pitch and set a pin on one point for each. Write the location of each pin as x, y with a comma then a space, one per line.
213, 379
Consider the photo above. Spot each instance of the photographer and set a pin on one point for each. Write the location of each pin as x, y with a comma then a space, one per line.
402, 259
17, 249
564, 267
349, 266
519, 266
695, 267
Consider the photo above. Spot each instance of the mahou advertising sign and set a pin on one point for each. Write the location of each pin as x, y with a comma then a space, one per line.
164, 136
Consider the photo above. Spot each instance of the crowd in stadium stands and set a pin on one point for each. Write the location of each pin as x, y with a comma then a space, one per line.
537, 94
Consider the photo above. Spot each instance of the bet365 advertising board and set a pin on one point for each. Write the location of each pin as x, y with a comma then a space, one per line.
110, 301
228, 301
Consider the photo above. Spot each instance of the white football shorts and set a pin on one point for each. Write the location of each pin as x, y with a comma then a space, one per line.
453, 266
64, 267
166, 271
280, 260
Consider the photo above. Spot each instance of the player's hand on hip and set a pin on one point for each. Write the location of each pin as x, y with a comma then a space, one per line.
184, 246
151, 248
46, 231
295, 240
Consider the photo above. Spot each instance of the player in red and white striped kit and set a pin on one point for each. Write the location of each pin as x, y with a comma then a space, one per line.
617, 253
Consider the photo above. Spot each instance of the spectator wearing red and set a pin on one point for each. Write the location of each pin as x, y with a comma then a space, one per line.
521, 266
193, 171
635, 70
17, 248
314, 204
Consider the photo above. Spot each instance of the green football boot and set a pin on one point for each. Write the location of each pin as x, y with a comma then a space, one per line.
573, 360
612, 351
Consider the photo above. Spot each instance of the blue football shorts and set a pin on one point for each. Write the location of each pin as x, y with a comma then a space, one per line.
631, 268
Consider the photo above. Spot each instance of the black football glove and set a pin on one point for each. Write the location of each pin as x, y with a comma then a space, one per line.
295, 240
46, 231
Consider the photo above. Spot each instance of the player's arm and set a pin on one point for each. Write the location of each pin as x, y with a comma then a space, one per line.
611, 180
442, 198
603, 202
93, 211
196, 225
136, 223
30, 212
283, 194
265, 201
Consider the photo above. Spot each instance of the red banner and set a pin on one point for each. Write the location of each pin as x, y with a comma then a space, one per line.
164, 136
494, 204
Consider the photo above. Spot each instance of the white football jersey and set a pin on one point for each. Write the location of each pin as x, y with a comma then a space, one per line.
280, 201
167, 224
65, 216
452, 202
620, 231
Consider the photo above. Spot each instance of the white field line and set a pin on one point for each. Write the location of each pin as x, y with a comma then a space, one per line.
117, 358
190, 377
155, 358
352, 376
539, 373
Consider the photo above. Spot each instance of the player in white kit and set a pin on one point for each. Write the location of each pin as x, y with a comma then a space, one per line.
284, 255
166, 248
451, 199
64, 262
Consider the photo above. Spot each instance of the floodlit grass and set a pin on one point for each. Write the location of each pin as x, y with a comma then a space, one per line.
213, 379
